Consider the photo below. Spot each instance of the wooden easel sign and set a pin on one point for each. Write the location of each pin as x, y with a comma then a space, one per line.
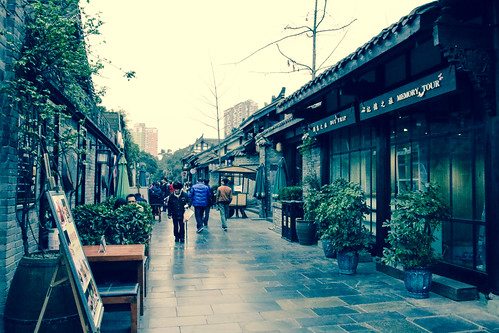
81, 277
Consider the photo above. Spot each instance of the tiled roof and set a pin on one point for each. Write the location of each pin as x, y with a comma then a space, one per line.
387, 39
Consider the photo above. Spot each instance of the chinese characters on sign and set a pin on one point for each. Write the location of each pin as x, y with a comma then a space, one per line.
430, 86
338, 120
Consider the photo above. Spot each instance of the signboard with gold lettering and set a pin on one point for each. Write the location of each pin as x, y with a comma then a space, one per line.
337, 120
430, 86
72, 249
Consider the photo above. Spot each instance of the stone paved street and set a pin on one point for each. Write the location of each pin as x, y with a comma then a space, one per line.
249, 279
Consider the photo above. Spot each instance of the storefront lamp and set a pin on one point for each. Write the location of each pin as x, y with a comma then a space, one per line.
103, 156
278, 147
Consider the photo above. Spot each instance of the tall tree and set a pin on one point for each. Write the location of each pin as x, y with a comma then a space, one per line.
311, 32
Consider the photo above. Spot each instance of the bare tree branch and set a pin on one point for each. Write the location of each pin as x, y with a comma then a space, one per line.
297, 28
336, 47
293, 61
205, 114
289, 72
323, 14
269, 44
336, 29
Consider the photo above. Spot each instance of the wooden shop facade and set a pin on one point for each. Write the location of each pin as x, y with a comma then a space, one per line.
417, 104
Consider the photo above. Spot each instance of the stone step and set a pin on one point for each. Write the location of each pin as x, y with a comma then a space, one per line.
455, 290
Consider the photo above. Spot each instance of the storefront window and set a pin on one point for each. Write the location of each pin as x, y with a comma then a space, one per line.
462, 176
451, 156
352, 157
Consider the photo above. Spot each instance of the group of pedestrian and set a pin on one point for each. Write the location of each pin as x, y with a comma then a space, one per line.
176, 198
158, 195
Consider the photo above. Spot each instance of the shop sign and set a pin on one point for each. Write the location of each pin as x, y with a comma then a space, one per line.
337, 120
428, 87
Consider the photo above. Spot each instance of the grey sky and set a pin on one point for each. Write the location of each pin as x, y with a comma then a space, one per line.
170, 45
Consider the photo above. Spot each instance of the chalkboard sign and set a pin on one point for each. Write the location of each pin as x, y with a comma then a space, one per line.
72, 248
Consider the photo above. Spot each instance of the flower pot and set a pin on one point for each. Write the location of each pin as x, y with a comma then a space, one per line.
327, 247
305, 232
418, 282
27, 294
348, 261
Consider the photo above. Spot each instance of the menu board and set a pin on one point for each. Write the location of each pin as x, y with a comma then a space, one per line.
73, 250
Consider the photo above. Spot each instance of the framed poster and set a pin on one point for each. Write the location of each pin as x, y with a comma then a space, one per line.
80, 269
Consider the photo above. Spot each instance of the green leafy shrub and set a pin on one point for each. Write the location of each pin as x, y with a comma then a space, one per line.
93, 222
339, 209
290, 193
129, 224
415, 218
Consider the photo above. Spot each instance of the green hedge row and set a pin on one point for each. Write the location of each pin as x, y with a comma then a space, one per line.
127, 224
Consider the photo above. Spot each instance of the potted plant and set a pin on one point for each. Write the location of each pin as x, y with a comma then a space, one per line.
305, 227
415, 218
339, 214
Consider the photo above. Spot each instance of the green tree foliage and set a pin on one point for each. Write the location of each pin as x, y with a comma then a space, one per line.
50, 55
415, 218
339, 210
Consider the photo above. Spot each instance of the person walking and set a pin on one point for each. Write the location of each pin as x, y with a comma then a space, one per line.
177, 201
156, 199
224, 197
199, 194
211, 202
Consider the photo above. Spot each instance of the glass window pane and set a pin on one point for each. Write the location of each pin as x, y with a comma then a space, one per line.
335, 167
462, 176
366, 141
440, 165
345, 166
354, 137
462, 244
479, 177
355, 167
404, 181
403, 127
480, 248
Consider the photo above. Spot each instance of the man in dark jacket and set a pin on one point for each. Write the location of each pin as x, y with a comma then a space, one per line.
156, 199
176, 208
199, 195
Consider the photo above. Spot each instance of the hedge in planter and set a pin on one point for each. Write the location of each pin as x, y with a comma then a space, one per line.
126, 225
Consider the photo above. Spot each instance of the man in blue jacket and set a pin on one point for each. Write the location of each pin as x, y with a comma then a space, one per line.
199, 194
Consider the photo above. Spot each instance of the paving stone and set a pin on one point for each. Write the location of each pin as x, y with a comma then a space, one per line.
251, 280
396, 326
444, 324
336, 310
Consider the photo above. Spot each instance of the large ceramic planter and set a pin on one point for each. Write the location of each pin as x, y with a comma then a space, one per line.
327, 247
27, 294
418, 282
305, 231
347, 262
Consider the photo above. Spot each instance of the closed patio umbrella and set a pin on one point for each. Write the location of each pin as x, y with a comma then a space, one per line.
123, 185
281, 176
260, 182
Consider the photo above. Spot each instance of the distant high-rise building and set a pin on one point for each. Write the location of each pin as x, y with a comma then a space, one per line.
146, 138
234, 116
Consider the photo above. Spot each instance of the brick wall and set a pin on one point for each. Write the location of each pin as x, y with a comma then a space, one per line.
11, 248
311, 165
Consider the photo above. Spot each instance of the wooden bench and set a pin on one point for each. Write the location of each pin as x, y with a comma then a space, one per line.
122, 294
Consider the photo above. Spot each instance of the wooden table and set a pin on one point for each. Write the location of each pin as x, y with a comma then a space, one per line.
133, 254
